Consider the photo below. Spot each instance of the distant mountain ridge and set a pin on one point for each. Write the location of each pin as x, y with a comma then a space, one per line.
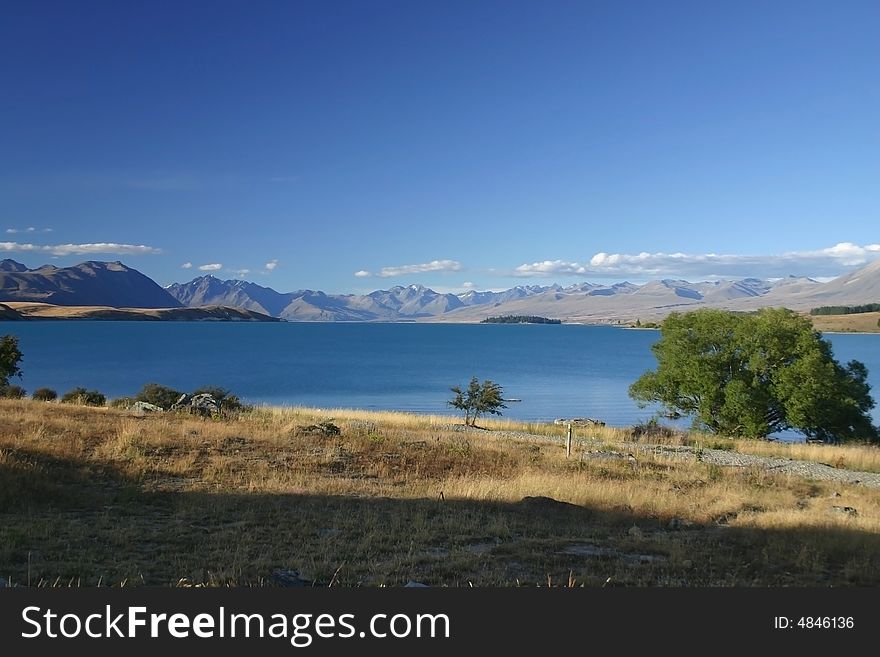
583, 302
116, 285
89, 283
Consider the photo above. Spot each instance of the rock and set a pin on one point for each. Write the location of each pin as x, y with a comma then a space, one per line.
635, 532
580, 421
201, 404
289, 579
847, 510
146, 407
675, 524
415, 585
204, 404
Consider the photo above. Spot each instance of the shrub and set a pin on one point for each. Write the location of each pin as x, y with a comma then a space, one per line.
159, 395
12, 392
122, 402
45, 394
325, 428
652, 429
84, 397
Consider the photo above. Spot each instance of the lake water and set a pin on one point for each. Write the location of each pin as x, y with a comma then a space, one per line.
557, 371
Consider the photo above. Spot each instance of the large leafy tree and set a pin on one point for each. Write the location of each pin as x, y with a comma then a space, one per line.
10, 357
754, 374
478, 398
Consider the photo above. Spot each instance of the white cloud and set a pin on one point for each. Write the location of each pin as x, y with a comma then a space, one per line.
81, 249
469, 285
211, 267
831, 261
362, 273
186, 265
30, 229
240, 272
550, 268
270, 266
433, 266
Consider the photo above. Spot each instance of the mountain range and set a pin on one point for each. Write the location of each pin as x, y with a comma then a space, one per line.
115, 284
86, 284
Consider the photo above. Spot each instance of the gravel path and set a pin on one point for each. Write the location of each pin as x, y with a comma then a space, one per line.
808, 469
726, 458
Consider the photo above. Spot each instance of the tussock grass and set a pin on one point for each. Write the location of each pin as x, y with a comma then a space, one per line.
103, 495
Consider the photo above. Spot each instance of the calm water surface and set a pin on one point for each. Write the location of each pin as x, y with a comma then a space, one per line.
557, 371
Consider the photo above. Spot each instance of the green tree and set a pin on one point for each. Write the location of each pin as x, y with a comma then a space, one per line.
478, 398
753, 375
10, 357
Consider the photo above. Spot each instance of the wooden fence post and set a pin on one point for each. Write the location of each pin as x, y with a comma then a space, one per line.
568, 443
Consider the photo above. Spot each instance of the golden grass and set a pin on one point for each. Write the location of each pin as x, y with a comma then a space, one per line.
854, 323
100, 493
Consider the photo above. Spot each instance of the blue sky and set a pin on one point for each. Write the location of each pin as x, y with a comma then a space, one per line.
452, 144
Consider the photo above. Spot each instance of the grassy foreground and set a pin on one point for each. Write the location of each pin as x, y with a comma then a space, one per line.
98, 495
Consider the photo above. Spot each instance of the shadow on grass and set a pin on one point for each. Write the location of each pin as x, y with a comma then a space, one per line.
69, 522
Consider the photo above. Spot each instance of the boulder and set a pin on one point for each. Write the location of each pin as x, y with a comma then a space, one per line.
580, 422
181, 403
201, 404
145, 407
846, 510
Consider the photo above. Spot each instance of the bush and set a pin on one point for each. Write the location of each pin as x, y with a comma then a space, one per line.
10, 357
122, 402
12, 392
325, 428
225, 399
45, 394
84, 397
652, 429
159, 395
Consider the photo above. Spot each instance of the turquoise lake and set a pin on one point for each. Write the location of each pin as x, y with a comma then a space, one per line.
557, 371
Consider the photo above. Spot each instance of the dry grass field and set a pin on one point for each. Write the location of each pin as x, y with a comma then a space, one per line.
96, 495
855, 323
